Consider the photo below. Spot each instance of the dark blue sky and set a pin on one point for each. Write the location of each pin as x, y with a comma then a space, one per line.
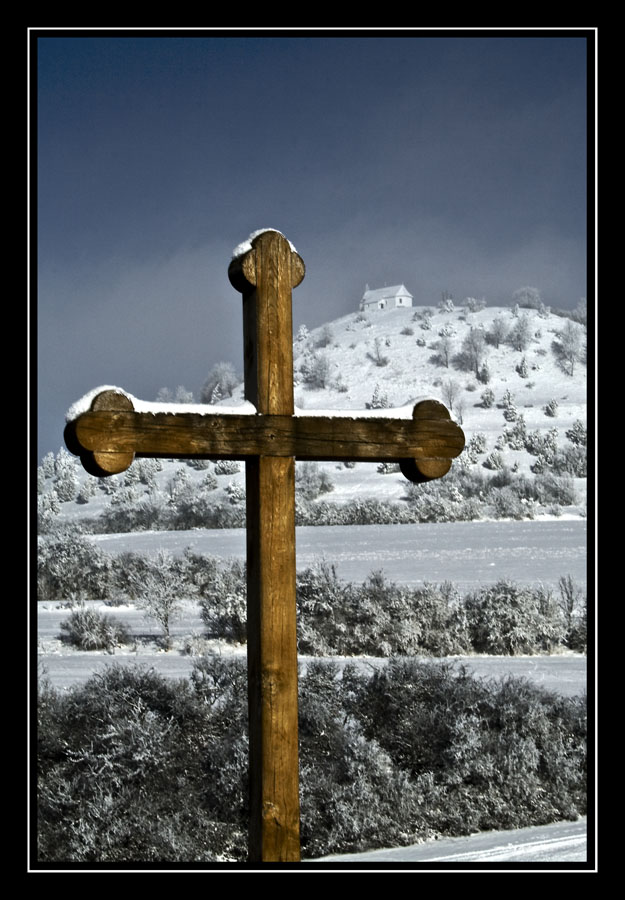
452, 163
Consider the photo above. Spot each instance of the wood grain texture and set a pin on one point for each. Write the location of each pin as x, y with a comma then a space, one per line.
270, 498
239, 436
272, 660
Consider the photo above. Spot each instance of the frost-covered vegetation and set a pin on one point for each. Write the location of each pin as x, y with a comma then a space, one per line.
135, 767
375, 618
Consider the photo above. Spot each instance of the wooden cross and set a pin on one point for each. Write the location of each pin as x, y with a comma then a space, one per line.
111, 433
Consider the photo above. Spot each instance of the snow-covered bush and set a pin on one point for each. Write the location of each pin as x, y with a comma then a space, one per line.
577, 434
208, 483
325, 337
68, 564
315, 370
87, 490
475, 446
89, 629
473, 305
236, 492
388, 468
494, 461
515, 436
199, 464
509, 619
227, 467
223, 601
311, 480
487, 398
388, 756
570, 461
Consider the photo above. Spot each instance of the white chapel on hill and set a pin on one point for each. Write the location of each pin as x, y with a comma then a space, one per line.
386, 297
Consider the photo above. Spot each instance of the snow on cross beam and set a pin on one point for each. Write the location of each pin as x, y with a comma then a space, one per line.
108, 428
111, 433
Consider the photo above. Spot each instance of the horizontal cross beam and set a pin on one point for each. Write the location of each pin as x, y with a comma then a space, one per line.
112, 437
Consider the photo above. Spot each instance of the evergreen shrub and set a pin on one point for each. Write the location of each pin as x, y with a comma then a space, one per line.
88, 629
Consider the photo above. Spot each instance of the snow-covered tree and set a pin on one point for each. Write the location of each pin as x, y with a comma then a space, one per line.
527, 297
47, 465
474, 350
179, 485
222, 374
379, 400
325, 337
66, 481
509, 407
472, 304
87, 490
160, 590
450, 389
183, 395
315, 370
48, 506
488, 398
302, 334
444, 347
520, 334
568, 346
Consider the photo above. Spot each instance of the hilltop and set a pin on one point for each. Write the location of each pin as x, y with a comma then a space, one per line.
515, 379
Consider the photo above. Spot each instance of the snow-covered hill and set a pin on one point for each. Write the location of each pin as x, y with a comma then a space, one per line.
515, 379
405, 354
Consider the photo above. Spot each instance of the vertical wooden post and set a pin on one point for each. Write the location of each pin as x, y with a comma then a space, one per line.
270, 271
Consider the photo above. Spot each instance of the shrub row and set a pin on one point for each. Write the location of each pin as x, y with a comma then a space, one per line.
465, 494
377, 617
135, 767
381, 618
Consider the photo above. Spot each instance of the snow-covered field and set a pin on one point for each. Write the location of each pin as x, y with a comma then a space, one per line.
465, 553
526, 552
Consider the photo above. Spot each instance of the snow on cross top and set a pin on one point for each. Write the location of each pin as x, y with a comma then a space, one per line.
245, 246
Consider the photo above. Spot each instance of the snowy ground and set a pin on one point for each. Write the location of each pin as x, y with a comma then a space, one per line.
465, 553
562, 842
